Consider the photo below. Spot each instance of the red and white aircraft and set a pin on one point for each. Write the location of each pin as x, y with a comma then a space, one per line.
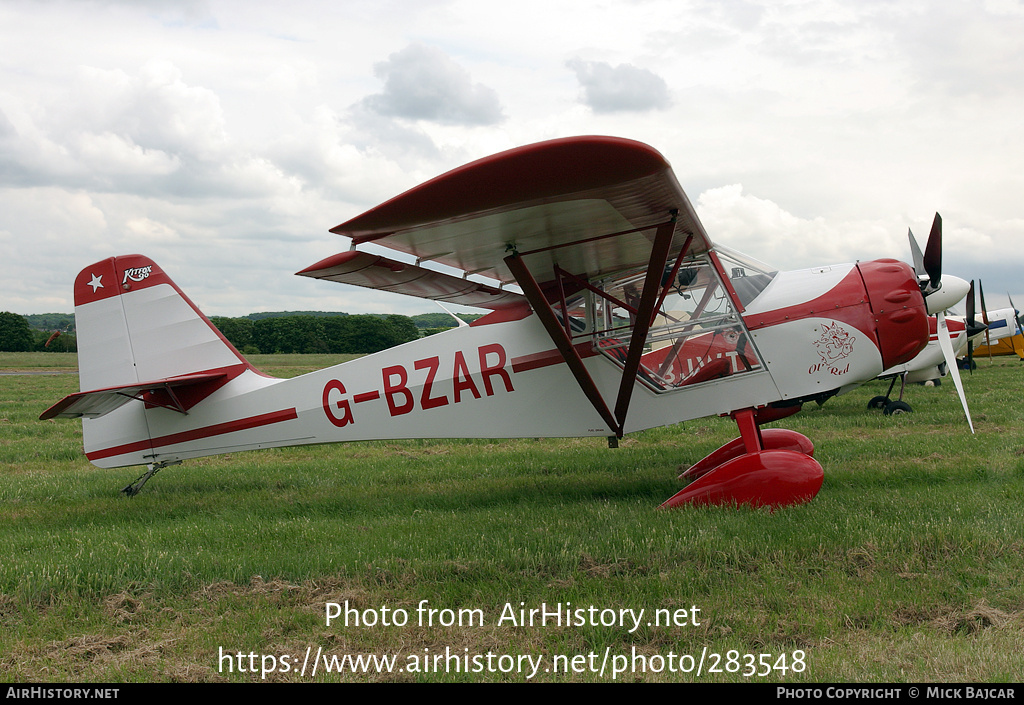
613, 313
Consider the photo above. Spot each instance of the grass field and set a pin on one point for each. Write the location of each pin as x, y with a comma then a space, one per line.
906, 567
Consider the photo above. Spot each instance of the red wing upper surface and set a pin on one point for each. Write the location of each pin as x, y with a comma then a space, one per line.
589, 205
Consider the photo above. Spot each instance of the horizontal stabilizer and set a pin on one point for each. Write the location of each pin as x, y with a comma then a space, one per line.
377, 272
178, 393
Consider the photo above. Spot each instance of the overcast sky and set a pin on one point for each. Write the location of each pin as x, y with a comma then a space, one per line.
224, 138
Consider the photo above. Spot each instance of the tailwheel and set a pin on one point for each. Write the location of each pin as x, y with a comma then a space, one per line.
769, 468
151, 469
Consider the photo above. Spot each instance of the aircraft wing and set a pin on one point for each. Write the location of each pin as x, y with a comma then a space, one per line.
376, 272
588, 205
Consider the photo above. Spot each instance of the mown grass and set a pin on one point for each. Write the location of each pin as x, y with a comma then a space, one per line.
905, 567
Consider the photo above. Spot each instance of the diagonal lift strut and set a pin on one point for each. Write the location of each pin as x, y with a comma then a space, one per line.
563, 343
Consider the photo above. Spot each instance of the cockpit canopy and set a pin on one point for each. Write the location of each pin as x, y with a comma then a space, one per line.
696, 334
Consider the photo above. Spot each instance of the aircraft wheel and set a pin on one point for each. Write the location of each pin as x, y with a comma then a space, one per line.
897, 407
878, 402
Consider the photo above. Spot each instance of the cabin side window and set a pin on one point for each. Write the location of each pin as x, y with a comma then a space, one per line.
696, 334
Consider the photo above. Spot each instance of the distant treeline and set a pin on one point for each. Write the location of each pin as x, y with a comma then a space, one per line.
266, 332
422, 320
324, 332
317, 334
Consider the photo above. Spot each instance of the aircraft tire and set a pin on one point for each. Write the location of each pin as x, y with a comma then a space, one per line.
897, 407
878, 402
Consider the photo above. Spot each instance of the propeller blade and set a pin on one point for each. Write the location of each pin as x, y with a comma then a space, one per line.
970, 305
984, 318
933, 253
1020, 326
1016, 314
947, 352
971, 323
915, 252
984, 310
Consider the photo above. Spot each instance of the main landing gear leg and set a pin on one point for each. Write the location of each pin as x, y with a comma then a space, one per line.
772, 468
886, 404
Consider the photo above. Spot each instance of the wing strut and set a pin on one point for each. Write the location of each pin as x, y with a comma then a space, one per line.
645, 311
644, 316
561, 339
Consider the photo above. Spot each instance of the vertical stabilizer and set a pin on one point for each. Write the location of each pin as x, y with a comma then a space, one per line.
144, 344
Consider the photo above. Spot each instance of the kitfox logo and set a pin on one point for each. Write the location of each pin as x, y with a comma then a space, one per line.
136, 274
834, 346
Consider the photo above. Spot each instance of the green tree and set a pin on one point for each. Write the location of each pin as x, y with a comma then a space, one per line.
239, 331
15, 335
403, 329
305, 333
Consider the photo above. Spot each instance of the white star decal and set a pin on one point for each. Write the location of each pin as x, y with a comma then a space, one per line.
96, 282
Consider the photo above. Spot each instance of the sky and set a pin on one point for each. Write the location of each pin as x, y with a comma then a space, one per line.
223, 139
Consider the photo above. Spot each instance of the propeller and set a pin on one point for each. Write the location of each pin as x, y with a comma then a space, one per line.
939, 292
974, 329
938, 297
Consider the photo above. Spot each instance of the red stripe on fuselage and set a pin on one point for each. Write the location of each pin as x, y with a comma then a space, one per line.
196, 434
549, 357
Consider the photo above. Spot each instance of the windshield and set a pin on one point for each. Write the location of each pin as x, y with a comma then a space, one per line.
748, 276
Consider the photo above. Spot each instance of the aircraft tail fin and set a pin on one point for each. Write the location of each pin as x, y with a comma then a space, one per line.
134, 324
139, 338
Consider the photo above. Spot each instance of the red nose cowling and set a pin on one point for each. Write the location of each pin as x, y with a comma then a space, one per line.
901, 319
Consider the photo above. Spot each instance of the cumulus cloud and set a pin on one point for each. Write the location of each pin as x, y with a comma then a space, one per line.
763, 229
155, 109
252, 132
622, 88
424, 83
117, 131
114, 154
145, 133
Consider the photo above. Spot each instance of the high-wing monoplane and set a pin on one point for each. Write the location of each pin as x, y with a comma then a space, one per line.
611, 311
